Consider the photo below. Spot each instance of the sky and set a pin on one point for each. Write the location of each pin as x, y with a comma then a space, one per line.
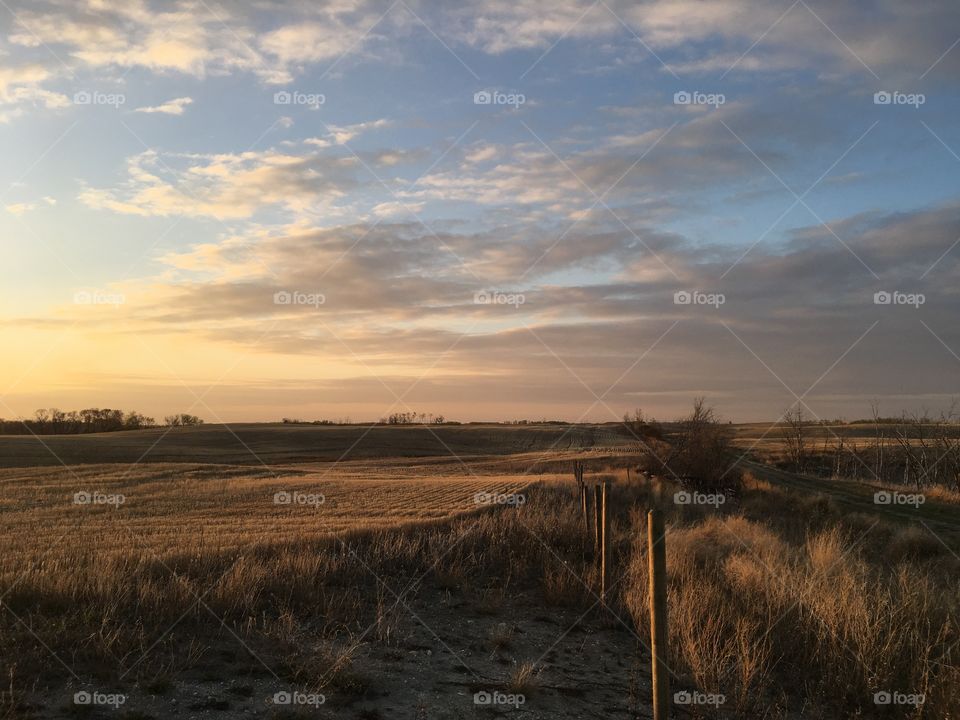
483, 210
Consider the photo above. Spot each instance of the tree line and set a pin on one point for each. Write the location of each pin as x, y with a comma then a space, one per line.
917, 449
53, 421
413, 418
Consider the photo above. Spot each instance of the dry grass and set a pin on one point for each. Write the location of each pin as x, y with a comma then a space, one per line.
169, 508
141, 593
523, 680
776, 600
796, 604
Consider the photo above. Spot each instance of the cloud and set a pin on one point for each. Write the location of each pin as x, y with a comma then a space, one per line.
397, 293
650, 165
308, 42
314, 177
697, 37
278, 42
171, 107
21, 85
346, 133
391, 209
194, 39
505, 212
185, 38
19, 208
227, 186
25, 207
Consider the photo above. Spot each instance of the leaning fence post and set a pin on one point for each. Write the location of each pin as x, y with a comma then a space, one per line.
657, 559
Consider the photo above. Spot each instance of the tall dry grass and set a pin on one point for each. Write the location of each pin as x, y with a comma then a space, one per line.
794, 609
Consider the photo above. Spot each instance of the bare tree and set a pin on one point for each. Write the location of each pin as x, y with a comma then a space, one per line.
911, 435
795, 437
702, 452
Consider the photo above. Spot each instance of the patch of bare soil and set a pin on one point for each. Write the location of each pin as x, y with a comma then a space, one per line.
443, 652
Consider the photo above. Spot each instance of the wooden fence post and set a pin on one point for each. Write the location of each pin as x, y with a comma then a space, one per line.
584, 498
597, 522
585, 509
604, 541
659, 638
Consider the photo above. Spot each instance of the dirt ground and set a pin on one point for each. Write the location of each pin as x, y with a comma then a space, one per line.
438, 654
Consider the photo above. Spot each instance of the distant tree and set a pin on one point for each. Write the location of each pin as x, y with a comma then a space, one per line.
642, 426
183, 420
41, 416
136, 421
53, 421
57, 420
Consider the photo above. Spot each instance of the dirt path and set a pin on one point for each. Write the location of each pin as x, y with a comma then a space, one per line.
859, 497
